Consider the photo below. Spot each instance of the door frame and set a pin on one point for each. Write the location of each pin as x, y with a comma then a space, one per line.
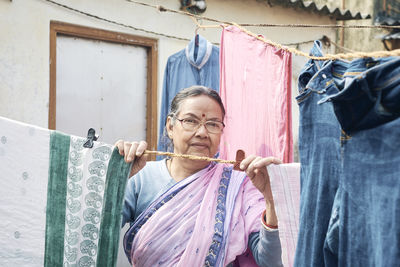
151, 45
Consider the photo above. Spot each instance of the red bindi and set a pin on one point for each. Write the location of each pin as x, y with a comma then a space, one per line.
203, 115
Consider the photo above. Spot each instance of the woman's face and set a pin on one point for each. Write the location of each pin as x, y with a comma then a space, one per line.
198, 142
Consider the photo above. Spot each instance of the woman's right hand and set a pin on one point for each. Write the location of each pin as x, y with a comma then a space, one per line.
133, 152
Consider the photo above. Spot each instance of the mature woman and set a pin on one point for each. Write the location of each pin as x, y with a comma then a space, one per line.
186, 212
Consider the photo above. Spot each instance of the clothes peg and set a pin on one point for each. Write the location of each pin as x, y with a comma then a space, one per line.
240, 155
91, 137
196, 38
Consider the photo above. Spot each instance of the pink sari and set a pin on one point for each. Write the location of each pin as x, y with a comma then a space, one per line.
205, 219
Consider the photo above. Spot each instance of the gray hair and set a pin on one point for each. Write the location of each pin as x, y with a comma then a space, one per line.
184, 94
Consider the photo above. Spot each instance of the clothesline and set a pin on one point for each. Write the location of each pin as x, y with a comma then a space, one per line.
280, 46
170, 154
324, 38
376, 54
295, 51
164, 9
198, 26
118, 23
136, 28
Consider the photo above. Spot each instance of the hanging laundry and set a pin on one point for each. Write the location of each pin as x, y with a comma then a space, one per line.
319, 149
60, 203
285, 186
349, 129
256, 92
197, 64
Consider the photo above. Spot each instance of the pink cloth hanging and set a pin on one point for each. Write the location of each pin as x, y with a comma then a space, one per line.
256, 91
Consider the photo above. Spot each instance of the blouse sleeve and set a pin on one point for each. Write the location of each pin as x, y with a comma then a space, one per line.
266, 248
264, 243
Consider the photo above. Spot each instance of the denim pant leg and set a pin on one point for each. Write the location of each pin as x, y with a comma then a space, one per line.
331, 245
319, 144
370, 204
368, 108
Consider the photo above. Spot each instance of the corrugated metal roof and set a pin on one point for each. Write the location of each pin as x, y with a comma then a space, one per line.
392, 36
324, 10
384, 19
387, 21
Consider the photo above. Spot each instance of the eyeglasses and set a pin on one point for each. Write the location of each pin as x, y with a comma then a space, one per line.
192, 124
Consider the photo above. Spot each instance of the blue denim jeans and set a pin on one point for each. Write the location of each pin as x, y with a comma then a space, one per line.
319, 147
349, 140
365, 229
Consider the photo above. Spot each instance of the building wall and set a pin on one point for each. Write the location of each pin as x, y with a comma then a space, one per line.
365, 40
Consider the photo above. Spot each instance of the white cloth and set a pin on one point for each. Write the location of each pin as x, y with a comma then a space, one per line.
285, 185
24, 166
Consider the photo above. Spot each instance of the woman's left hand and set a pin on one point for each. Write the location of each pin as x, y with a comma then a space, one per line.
256, 169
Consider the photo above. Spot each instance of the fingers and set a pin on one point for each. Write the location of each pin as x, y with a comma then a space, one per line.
120, 145
136, 155
248, 165
136, 150
267, 161
253, 164
246, 162
131, 150
141, 148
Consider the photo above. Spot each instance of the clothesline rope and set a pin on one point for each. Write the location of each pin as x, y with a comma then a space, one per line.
117, 23
292, 50
324, 38
170, 154
164, 9
376, 54
352, 54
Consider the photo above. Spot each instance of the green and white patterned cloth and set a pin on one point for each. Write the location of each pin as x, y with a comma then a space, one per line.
60, 203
